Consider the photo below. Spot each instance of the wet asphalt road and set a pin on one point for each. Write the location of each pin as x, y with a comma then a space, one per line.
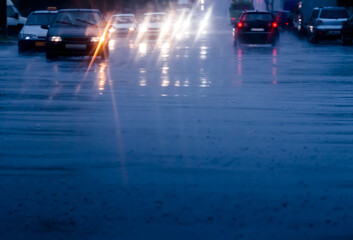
189, 139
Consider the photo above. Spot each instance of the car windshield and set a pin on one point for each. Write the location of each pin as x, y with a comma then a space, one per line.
40, 19
333, 14
123, 19
264, 17
244, 6
155, 18
78, 19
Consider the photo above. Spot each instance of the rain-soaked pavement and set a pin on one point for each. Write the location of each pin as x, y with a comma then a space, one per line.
189, 139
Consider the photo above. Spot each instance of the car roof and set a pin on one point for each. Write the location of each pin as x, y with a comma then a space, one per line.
330, 8
155, 13
256, 11
79, 10
44, 11
124, 14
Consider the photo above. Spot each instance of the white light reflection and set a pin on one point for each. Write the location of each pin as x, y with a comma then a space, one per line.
143, 81
203, 79
102, 78
143, 49
203, 52
165, 75
111, 44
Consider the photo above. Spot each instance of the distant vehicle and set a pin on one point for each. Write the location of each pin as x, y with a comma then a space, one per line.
123, 25
77, 32
347, 32
155, 25
32, 35
304, 11
15, 21
326, 23
255, 27
284, 19
237, 7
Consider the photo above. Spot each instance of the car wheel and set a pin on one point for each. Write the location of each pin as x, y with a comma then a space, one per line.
346, 41
50, 56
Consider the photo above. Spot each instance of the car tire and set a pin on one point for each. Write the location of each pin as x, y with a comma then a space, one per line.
50, 56
346, 41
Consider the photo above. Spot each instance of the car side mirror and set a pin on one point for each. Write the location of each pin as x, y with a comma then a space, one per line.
44, 27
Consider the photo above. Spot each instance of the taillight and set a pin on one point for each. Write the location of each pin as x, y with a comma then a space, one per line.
274, 24
287, 23
233, 19
240, 25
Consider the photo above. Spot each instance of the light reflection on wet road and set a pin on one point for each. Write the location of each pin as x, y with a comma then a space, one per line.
211, 140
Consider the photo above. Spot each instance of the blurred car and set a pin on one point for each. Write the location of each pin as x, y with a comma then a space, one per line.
347, 32
155, 25
33, 36
77, 32
326, 23
256, 27
123, 25
284, 20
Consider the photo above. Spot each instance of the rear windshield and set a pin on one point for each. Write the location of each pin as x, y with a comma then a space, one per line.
78, 19
40, 19
333, 14
155, 18
263, 17
123, 19
242, 6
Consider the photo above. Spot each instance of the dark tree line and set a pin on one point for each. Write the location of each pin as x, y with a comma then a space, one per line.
27, 6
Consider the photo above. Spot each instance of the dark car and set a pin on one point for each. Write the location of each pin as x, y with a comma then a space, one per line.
32, 35
255, 27
77, 32
326, 23
347, 32
284, 19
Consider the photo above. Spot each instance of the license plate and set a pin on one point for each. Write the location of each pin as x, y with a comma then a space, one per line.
40, 44
333, 33
257, 29
76, 46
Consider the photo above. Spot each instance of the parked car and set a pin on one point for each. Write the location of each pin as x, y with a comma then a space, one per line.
77, 32
326, 23
284, 20
15, 21
123, 25
256, 27
155, 25
347, 32
32, 35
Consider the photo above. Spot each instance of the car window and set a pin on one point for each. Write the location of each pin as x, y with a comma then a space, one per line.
11, 12
155, 18
40, 19
78, 19
334, 13
257, 17
123, 19
315, 14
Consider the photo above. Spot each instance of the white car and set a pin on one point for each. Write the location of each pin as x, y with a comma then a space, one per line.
123, 24
14, 19
155, 25
33, 36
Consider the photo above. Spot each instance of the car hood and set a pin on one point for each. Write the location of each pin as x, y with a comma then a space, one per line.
76, 31
36, 30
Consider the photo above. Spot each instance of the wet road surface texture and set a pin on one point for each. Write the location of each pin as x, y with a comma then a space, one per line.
189, 139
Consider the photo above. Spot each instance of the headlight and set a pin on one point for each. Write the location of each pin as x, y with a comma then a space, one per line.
112, 29
98, 39
55, 39
143, 29
28, 36
131, 29
166, 28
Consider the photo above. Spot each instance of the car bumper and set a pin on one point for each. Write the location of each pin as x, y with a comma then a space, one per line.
37, 45
329, 32
256, 37
72, 48
122, 33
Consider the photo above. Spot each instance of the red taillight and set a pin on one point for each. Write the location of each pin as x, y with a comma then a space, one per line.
287, 23
240, 25
233, 19
274, 25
